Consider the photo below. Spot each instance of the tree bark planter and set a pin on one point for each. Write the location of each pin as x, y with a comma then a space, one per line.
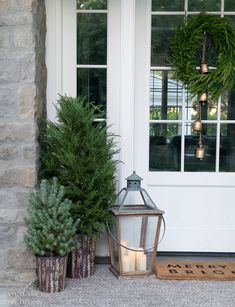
51, 273
81, 260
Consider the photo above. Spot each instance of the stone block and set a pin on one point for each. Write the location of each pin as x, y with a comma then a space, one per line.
7, 235
7, 113
16, 277
25, 276
27, 68
21, 5
22, 198
8, 215
8, 95
10, 70
8, 152
4, 5
29, 152
20, 232
11, 18
26, 101
7, 199
23, 177
23, 37
6, 276
17, 131
5, 37
21, 214
2, 259
20, 259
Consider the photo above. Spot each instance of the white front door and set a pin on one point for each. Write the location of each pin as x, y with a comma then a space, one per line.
153, 115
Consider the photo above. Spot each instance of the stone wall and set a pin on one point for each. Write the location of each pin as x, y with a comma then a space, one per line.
22, 101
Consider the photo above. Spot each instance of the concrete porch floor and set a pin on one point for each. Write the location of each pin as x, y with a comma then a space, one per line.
104, 289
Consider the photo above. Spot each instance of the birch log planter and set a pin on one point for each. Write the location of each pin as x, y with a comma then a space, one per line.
51, 273
81, 260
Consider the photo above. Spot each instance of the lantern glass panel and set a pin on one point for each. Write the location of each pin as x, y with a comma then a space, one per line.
137, 233
132, 198
114, 246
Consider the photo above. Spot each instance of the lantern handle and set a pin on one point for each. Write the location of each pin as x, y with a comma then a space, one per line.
136, 250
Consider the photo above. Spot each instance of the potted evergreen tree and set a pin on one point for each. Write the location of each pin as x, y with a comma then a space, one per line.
50, 234
79, 151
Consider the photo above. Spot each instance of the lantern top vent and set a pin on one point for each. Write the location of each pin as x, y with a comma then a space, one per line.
134, 181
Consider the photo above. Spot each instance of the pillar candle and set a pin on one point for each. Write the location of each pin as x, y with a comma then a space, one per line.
141, 264
139, 253
126, 264
132, 255
124, 251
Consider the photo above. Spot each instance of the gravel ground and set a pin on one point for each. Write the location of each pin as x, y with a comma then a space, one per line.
103, 289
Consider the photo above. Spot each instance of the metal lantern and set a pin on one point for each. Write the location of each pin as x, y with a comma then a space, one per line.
134, 237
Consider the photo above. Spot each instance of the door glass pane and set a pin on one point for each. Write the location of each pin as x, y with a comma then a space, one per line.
204, 5
167, 5
91, 4
229, 5
92, 84
91, 38
193, 107
165, 96
165, 147
228, 105
207, 164
227, 148
163, 28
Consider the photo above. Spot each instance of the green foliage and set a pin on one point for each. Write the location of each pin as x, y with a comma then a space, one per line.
187, 42
50, 226
80, 153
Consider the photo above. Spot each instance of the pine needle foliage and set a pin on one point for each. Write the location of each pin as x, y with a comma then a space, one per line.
50, 226
80, 153
187, 42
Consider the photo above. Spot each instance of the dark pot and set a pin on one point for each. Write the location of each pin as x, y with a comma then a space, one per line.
51, 273
81, 260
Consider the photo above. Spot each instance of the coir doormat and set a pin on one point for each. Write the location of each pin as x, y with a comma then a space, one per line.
196, 270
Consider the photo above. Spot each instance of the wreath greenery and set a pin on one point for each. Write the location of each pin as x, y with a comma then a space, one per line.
186, 43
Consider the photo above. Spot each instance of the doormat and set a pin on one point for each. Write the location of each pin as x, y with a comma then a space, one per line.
195, 270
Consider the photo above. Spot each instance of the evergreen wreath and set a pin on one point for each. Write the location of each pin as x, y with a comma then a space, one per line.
187, 41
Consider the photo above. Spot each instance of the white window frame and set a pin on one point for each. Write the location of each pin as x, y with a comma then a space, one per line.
142, 99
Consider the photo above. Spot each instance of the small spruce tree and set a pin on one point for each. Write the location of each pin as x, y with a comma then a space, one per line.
80, 152
50, 227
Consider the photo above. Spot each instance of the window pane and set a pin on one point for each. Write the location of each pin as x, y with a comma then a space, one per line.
163, 28
92, 84
204, 5
165, 147
228, 105
229, 5
208, 110
192, 164
167, 5
227, 148
191, 107
91, 38
165, 96
91, 4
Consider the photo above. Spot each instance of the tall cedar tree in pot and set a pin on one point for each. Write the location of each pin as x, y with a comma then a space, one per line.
50, 233
80, 153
